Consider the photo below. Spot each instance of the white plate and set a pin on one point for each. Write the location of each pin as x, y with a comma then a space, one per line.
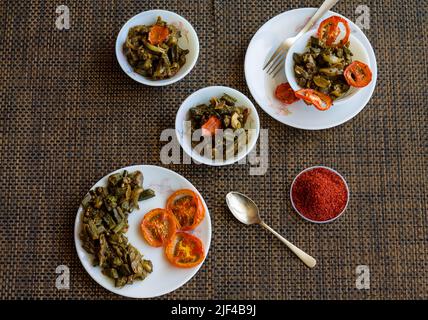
165, 277
189, 40
262, 86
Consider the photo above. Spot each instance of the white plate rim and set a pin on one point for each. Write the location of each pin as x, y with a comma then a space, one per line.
271, 112
77, 226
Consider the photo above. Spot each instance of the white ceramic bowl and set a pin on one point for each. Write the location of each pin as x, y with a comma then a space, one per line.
203, 96
300, 46
262, 86
189, 40
315, 221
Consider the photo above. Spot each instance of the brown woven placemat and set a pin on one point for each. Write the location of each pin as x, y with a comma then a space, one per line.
69, 115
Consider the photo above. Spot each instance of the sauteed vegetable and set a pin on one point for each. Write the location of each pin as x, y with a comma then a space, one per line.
326, 71
105, 220
321, 68
221, 113
153, 51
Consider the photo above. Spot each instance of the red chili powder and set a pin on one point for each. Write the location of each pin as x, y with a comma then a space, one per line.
319, 194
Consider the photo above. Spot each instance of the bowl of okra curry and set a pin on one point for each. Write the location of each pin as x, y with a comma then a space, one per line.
217, 126
157, 47
311, 64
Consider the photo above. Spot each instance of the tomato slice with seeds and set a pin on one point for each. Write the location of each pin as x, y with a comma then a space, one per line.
158, 34
320, 100
285, 93
210, 126
187, 208
329, 30
358, 74
158, 227
185, 250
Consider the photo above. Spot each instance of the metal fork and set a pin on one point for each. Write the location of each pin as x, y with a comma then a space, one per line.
276, 61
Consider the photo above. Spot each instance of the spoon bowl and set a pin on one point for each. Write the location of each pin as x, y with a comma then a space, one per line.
243, 208
246, 211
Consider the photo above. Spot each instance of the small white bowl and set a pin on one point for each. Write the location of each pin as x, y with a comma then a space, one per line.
203, 96
300, 46
189, 40
315, 221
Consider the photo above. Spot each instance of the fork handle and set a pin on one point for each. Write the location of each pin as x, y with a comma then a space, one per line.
327, 5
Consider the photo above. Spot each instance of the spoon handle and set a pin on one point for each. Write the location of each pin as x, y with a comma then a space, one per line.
306, 258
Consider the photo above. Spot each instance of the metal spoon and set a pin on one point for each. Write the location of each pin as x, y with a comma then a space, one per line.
245, 210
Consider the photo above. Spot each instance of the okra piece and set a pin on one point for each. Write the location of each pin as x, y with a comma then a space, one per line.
146, 194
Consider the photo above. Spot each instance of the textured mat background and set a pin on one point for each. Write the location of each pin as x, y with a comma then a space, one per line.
69, 116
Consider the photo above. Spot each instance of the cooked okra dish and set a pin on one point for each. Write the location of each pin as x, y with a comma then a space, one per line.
153, 51
105, 220
221, 113
325, 71
322, 68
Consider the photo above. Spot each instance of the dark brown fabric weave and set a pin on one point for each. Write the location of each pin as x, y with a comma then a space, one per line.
69, 116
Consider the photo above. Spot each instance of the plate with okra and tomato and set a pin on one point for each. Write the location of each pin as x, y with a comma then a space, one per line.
328, 75
142, 231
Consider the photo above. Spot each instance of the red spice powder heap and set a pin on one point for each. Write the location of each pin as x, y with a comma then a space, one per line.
319, 194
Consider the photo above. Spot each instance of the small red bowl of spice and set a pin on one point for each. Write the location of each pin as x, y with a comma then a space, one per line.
319, 194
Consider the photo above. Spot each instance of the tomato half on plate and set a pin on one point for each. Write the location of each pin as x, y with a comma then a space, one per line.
158, 34
285, 93
329, 30
158, 227
320, 100
185, 250
358, 74
187, 208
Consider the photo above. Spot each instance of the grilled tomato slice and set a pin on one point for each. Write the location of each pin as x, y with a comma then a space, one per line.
185, 250
158, 227
358, 74
320, 100
329, 30
187, 208
285, 93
